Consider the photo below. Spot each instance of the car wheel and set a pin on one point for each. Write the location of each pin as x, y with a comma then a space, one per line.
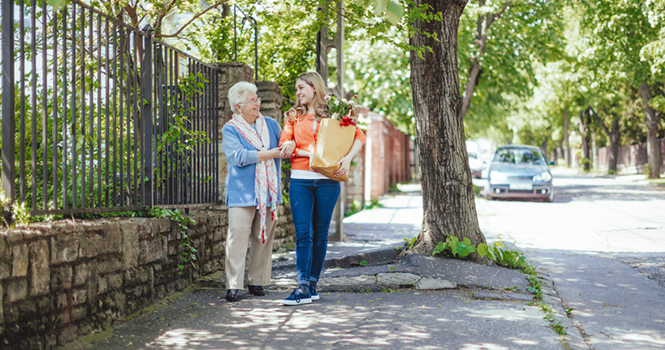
550, 197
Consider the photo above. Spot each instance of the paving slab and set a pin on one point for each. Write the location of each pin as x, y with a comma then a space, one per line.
503, 296
423, 320
434, 284
398, 278
348, 281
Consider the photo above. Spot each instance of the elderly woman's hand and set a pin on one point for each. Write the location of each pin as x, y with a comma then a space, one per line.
287, 149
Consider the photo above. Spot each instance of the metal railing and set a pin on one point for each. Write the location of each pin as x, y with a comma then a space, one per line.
254, 24
98, 116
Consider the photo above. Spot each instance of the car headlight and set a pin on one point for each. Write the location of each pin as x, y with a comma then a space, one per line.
546, 177
497, 176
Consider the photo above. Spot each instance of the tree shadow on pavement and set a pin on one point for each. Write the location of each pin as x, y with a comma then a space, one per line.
435, 320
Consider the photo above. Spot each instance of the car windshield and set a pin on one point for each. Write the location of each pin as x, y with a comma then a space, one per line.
519, 156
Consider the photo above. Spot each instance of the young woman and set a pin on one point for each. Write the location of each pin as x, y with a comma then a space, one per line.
312, 195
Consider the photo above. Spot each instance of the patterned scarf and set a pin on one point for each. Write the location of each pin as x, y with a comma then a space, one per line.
265, 178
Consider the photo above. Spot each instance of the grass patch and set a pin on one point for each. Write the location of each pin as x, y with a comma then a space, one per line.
477, 190
85, 341
554, 324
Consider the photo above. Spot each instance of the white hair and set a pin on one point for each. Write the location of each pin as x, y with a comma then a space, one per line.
238, 93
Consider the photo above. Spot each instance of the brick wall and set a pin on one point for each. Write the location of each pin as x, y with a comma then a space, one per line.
384, 161
64, 279
631, 158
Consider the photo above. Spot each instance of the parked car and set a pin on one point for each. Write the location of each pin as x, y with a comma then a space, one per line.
476, 165
519, 172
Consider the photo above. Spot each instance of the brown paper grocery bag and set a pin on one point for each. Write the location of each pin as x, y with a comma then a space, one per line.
332, 143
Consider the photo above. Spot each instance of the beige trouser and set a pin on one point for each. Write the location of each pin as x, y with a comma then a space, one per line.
243, 223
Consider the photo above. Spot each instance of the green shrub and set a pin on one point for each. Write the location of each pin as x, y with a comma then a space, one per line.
511, 259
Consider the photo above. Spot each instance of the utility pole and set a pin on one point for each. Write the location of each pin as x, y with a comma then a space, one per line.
324, 44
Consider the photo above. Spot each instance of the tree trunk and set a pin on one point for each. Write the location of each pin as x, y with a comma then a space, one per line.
448, 197
586, 142
559, 151
566, 142
615, 136
651, 120
543, 147
470, 86
484, 24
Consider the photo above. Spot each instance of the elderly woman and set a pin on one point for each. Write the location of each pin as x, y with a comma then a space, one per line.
250, 142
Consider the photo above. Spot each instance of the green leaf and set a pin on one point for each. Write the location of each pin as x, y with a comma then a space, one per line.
490, 252
440, 247
465, 248
658, 103
380, 6
482, 249
395, 12
363, 263
452, 242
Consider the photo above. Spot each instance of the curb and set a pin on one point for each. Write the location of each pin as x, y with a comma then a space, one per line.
379, 256
573, 339
376, 257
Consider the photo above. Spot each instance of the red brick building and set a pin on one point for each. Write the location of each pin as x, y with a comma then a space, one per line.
387, 159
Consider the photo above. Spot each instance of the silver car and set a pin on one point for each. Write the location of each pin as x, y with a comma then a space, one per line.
519, 172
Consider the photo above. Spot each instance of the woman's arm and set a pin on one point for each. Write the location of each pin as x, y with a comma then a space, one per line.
236, 154
287, 142
269, 154
346, 160
239, 156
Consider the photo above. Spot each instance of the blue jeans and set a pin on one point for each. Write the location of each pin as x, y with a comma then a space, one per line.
312, 206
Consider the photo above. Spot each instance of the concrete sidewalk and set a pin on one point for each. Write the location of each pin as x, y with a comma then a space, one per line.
368, 300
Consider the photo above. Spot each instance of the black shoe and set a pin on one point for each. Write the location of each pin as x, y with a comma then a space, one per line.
232, 295
257, 290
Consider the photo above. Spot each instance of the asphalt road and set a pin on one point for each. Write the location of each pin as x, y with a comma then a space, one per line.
602, 241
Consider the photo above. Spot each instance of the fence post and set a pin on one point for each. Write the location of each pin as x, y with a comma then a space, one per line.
8, 127
146, 116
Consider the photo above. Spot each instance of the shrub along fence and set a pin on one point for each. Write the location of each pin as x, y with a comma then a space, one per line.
98, 116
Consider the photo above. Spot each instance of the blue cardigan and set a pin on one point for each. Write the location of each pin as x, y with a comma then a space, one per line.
242, 157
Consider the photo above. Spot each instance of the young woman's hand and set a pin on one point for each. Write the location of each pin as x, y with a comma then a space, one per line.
345, 163
287, 149
268, 154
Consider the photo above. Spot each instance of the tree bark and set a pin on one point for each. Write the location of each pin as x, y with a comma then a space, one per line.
651, 119
448, 197
566, 141
586, 140
615, 137
559, 151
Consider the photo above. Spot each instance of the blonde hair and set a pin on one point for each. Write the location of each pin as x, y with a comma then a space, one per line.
298, 111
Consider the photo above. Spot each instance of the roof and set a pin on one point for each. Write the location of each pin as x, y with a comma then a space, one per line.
519, 146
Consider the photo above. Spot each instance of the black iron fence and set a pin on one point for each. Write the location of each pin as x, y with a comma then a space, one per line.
98, 116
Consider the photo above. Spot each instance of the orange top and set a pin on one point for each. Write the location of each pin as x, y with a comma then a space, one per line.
301, 132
